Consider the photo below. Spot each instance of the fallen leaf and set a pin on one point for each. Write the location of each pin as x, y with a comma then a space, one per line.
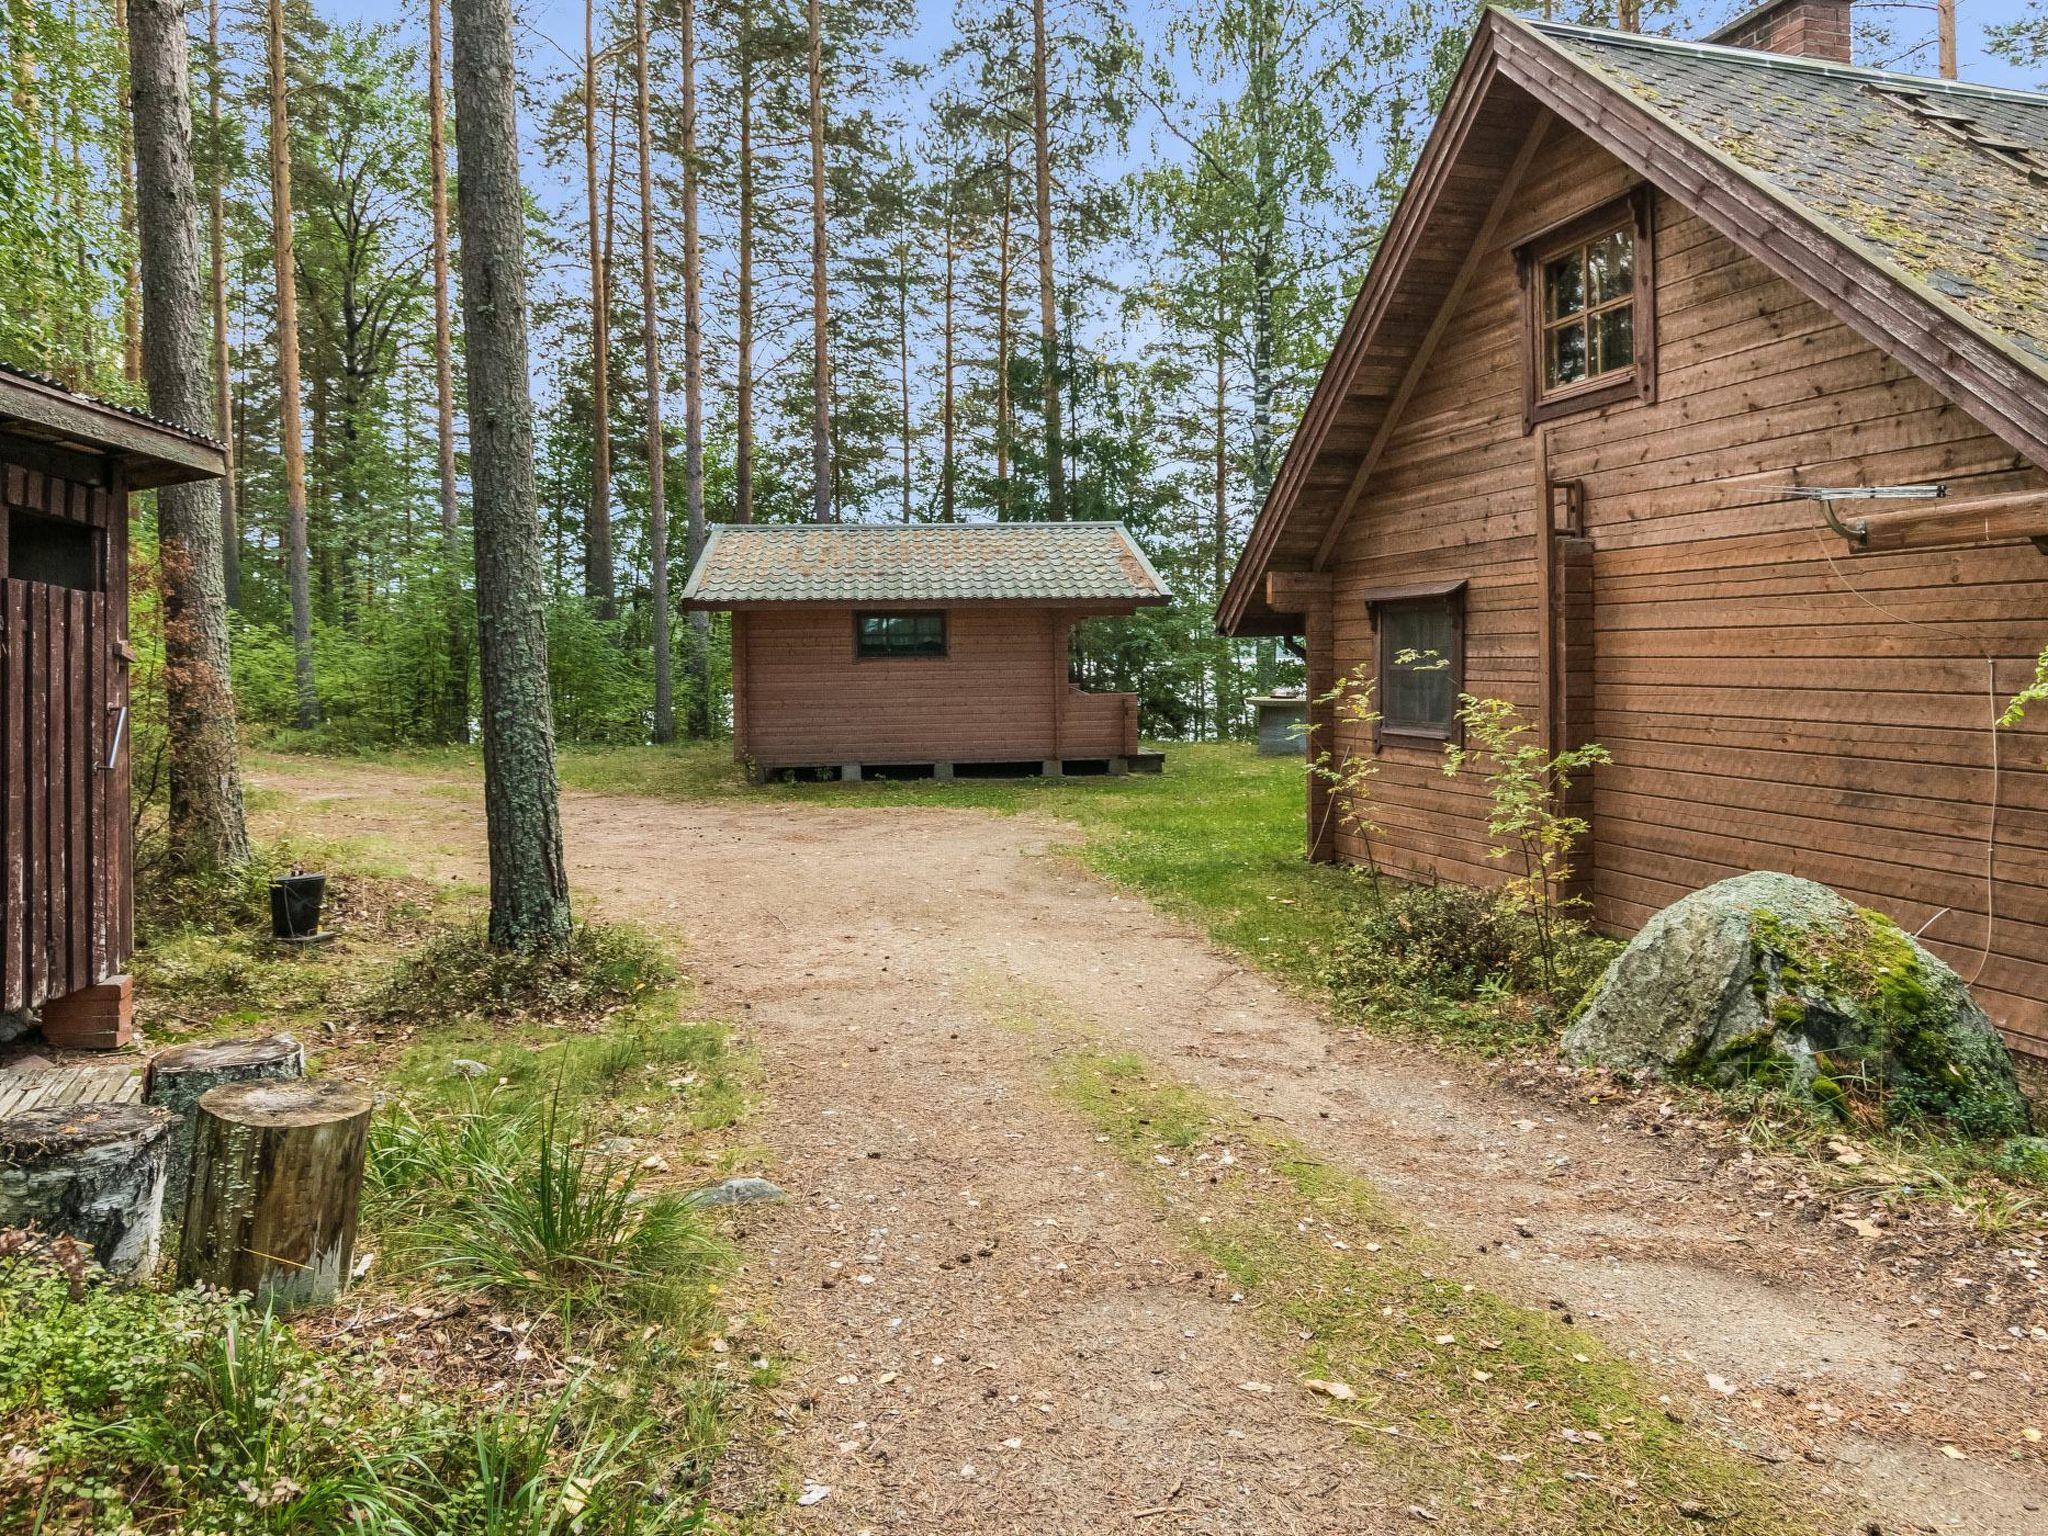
814, 1493
1337, 1389
1724, 1387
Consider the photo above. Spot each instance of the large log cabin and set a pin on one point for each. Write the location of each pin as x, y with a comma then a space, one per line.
1642, 301
67, 466
927, 649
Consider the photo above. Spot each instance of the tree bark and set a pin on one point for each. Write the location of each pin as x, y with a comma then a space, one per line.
92, 1172
131, 285
223, 386
1003, 273
657, 448
1048, 334
743, 467
822, 502
298, 575
903, 367
529, 881
455, 690
204, 758
1945, 38
597, 534
947, 469
693, 384
277, 1180
177, 1078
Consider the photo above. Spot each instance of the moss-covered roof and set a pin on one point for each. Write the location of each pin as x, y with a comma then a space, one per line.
1946, 183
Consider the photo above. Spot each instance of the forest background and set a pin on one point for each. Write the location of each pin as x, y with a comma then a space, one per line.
1067, 259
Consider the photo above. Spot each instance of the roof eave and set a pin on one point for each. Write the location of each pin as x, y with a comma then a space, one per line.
151, 453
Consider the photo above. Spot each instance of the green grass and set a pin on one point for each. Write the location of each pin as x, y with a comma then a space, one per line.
1494, 1417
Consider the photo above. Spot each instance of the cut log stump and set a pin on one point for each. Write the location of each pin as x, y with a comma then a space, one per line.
277, 1176
94, 1172
176, 1079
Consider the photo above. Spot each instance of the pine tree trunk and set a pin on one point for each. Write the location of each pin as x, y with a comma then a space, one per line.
903, 365
1003, 273
204, 758
131, 286
657, 449
1048, 334
455, 688
946, 412
529, 881
298, 575
597, 534
743, 468
822, 509
223, 387
699, 643
90, 1172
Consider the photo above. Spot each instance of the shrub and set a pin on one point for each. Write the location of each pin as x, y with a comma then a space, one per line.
458, 973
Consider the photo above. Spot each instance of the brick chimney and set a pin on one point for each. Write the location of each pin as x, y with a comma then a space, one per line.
1807, 29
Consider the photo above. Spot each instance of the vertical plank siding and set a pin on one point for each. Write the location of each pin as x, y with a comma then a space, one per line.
65, 887
1771, 700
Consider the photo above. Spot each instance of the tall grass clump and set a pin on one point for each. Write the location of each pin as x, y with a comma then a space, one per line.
500, 1198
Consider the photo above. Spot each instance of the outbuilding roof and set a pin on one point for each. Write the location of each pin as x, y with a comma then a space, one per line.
152, 451
747, 564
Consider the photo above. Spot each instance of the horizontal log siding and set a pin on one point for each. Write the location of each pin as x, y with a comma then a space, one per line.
810, 701
1762, 714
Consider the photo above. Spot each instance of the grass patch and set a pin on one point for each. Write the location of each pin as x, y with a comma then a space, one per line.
1499, 1417
499, 1198
458, 974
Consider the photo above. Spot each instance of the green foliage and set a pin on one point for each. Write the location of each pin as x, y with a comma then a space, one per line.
500, 1198
131, 1409
458, 973
1526, 787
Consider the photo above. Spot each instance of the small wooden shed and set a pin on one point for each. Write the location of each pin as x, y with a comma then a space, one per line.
67, 465
919, 649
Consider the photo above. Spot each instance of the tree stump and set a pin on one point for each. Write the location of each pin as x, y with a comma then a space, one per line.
94, 1172
277, 1175
177, 1078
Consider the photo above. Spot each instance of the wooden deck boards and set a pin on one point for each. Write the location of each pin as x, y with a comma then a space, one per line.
118, 1082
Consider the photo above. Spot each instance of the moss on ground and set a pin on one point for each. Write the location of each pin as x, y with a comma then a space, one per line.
1498, 1417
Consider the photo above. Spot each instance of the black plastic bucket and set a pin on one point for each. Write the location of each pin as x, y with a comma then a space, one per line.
295, 905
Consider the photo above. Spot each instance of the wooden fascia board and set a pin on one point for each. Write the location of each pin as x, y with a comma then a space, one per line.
158, 447
1482, 245
1870, 295
1410, 222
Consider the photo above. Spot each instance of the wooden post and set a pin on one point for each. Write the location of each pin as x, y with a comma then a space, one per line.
277, 1175
176, 1080
1308, 594
94, 1172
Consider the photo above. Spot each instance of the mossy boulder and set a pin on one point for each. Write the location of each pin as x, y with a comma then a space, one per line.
1770, 978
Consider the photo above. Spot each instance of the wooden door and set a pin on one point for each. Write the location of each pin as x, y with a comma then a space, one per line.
63, 774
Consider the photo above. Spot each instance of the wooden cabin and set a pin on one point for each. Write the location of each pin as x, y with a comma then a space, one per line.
67, 466
922, 649
1643, 303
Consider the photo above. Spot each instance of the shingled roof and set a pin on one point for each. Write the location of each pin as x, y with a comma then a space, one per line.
749, 564
152, 451
1947, 182
1914, 210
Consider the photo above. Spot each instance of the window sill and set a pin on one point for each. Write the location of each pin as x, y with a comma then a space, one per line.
1414, 735
1586, 397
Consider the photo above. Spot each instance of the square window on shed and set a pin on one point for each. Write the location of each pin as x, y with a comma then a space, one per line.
1419, 636
899, 634
51, 550
1591, 297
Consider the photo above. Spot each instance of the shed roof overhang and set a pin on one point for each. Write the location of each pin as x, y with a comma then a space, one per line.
46, 417
1516, 78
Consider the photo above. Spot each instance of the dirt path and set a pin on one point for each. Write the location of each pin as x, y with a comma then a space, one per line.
990, 1328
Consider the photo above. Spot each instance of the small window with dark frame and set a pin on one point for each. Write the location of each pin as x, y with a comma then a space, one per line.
1421, 664
1590, 294
52, 550
899, 634
1589, 311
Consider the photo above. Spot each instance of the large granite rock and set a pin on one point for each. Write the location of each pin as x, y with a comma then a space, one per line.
1768, 977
